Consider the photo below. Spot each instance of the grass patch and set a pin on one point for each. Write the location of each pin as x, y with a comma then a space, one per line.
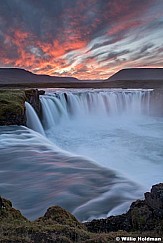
12, 107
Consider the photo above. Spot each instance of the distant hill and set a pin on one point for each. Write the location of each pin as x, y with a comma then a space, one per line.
20, 76
125, 78
17, 77
138, 74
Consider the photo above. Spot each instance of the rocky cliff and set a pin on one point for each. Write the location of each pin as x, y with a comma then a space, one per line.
143, 215
32, 96
12, 105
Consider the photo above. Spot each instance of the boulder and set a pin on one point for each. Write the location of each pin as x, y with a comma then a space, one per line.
56, 214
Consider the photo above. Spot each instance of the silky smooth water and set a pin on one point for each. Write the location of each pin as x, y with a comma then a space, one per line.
133, 148
36, 174
112, 127
101, 151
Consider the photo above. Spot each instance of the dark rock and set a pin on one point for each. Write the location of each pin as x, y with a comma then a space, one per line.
154, 199
113, 223
41, 92
1, 203
143, 215
32, 96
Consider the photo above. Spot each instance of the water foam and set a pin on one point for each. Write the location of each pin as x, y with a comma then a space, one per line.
33, 120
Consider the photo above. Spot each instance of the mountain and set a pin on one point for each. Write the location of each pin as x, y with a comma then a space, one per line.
17, 77
125, 78
137, 78
12, 76
138, 74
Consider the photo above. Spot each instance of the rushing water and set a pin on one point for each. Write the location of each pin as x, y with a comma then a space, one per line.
101, 151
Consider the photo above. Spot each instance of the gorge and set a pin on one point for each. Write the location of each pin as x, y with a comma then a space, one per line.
93, 146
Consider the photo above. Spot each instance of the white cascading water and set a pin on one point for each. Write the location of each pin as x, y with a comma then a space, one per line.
33, 120
111, 126
101, 152
93, 103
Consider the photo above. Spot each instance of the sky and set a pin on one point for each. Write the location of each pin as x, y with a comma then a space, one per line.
86, 39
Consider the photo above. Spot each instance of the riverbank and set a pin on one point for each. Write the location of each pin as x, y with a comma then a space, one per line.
12, 105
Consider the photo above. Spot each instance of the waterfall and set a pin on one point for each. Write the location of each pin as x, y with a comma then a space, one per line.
33, 121
72, 104
95, 151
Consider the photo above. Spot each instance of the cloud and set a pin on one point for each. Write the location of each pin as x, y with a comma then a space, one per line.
114, 55
146, 47
81, 38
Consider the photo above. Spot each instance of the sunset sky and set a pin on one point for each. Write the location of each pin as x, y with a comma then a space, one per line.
87, 39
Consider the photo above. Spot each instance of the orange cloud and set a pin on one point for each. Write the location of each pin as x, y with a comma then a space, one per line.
84, 39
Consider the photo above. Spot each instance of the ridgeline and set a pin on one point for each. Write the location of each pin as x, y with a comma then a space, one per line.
126, 78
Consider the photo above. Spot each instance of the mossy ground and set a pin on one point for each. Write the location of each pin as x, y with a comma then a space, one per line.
57, 225
11, 106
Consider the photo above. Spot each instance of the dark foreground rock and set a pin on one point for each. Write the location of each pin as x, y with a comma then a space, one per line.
143, 215
144, 219
57, 225
32, 96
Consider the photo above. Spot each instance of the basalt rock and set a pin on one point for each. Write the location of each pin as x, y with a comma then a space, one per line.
32, 96
155, 200
143, 215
